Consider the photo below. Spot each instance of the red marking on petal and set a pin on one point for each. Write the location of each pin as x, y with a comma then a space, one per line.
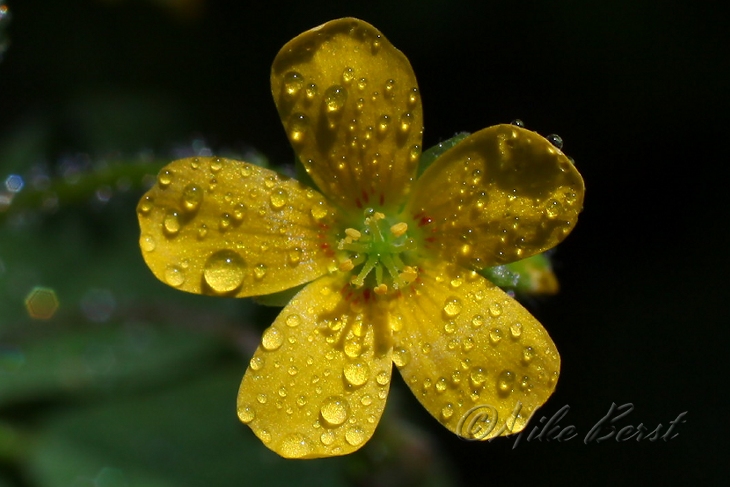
365, 196
425, 220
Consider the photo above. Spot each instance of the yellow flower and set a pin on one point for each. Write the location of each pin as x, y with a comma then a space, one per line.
390, 259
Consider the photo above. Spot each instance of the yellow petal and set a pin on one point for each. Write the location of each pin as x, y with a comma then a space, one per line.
350, 105
218, 226
317, 384
475, 358
501, 195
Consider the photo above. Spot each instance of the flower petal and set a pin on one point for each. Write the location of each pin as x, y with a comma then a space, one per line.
475, 358
501, 195
218, 226
317, 384
351, 108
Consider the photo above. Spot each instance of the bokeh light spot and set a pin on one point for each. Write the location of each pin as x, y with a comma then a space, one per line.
14, 183
41, 303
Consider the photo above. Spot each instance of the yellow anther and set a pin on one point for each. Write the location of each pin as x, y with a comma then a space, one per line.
346, 265
381, 289
352, 233
399, 229
409, 274
378, 216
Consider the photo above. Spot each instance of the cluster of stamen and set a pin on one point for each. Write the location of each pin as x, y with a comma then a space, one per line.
376, 247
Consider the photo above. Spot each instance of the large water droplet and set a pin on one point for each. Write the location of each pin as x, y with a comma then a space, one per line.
335, 98
279, 198
452, 307
296, 445
505, 381
192, 196
272, 339
298, 126
246, 413
293, 320
224, 271
256, 362
147, 243
334, 411
171, 223
556, 140
327, 438
477, 376
164, 178
401, 357
495, 309
293, 82
355, 436
174, 276
357, 373
383, 378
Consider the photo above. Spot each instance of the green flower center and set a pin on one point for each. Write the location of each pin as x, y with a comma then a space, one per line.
380, 253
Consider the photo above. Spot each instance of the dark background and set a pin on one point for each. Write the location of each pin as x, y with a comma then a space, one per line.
638, 90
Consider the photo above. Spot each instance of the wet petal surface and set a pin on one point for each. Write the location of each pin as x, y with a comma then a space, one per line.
501, 195
473, 356
218, 226
351, 108
317, 384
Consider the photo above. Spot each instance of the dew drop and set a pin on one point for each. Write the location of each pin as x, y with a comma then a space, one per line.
405, 123
348, 75
477, 376
413, 97
146, 205
327, 438
383, 124
495, 309
357, 373
147, 243
450, 327
202, 231
264, 435
216, 165
272, 339
319, 211
452, 307
164, 178
293, 320
441, 385
295, 256
293, 370
516, 330
279, 198
383, 378
556, 140
390, 88
334, 411
477, 321
174, 276
495, 335
246, 414
171, 224
225, 222
293, 83
224, 271
401, 357
259, 271
519, 123
447, 411
256, 362
528, 354
335, 98
505, 381
355, 436
262, 398
192, 196
298, 126
553, 209
296, 445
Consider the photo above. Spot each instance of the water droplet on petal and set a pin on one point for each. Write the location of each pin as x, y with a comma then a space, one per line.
298, 126
146, 205
528, 354
518, 122
296, 445
259, 271
452, 307
327, 438
383, 378
293, 82
447, 411
335, 98
495, 335
477, 376
401, 357
383, 124
516, 330
147, 243
319, 211
224, 271
295, 256
278, 199
216, 165
505, 381
441, 385
334, 411
495, 309
293, 320
357, 373
272, 339
246, 414
556, 140
164, 178
174, 276
192, 196
348, 74
477, 321
355, 436
256, 362
171, 224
